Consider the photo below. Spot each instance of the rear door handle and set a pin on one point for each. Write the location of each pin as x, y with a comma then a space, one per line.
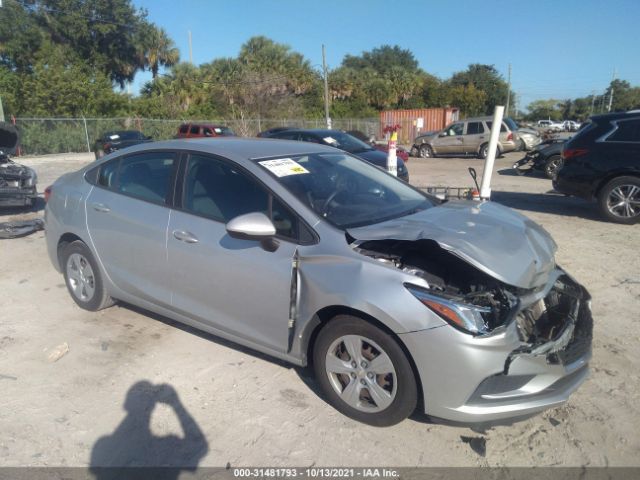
101, 207
186, 237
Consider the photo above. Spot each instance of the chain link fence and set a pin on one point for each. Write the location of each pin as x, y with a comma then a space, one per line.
40, 136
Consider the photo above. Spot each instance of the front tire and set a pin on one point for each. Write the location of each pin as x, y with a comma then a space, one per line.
363, 372
425, 151
619, 200
83, 277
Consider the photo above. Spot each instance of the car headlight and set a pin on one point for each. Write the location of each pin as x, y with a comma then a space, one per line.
31, 181
465, 317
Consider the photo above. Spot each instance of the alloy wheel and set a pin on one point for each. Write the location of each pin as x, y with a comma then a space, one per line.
361, 373
624, 201
81, 278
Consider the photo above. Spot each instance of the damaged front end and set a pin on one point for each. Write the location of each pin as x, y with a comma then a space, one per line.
17, 182
519, 349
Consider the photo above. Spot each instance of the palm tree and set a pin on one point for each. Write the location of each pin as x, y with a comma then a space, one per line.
159, 50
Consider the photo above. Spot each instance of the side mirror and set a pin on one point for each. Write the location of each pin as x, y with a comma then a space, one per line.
251, 226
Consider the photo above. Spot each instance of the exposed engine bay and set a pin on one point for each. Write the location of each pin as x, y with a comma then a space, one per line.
17, 182
547, 322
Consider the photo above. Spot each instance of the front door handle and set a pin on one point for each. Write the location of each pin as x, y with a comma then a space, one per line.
101, 207
186, 237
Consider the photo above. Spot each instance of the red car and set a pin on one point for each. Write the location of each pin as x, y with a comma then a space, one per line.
199, 130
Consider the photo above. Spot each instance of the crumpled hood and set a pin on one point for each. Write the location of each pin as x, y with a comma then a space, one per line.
493, 238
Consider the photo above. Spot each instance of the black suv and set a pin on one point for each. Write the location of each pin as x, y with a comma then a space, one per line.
112, 141
602, 162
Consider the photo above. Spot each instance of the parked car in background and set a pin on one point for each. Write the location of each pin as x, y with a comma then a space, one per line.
602, 163
271, 131
310, 255
550, 125
465, 137
382, 146
199, 130
117, 140
546, 157
528, 137
570, 126
346, 142
17, 182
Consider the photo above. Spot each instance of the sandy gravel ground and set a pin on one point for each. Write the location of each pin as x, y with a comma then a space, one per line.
235, 406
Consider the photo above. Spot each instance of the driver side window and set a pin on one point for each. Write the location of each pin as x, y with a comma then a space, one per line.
216, 190
455, 129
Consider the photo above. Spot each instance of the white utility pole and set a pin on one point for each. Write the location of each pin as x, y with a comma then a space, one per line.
593, 100
611, 93
485, 186
190, 49
509, 90
326, 89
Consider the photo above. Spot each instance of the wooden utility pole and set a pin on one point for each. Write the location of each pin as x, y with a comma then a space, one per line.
326, 89
508, 91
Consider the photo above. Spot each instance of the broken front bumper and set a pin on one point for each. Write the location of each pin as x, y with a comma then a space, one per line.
498, 376
18, 197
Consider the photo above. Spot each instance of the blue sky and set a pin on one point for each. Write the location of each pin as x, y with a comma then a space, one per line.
558, 49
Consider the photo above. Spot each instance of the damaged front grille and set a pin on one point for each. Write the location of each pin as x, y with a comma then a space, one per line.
559, 325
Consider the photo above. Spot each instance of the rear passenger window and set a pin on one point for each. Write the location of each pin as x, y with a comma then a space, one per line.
195, 130
147, 176
627, 131
474, 128
218, 191
108, 173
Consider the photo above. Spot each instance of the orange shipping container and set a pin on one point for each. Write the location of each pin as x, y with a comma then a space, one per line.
414, 122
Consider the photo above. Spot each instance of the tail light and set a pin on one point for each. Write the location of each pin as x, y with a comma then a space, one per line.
47, 193
510, 137
573, 152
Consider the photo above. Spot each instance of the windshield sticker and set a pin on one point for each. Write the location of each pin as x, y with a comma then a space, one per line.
217, 130
114, 137
283, 167
330, 140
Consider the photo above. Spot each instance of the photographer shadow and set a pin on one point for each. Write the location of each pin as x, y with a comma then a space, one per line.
132, 445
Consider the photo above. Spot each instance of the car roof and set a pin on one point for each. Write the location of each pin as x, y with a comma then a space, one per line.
478, 119
316, 131
616, 115
200, 124
237, 148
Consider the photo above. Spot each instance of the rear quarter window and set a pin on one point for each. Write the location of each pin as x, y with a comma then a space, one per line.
626, 131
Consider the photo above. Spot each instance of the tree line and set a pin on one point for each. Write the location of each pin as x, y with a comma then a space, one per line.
71, 58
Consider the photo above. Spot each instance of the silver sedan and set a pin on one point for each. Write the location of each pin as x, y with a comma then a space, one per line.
311, 255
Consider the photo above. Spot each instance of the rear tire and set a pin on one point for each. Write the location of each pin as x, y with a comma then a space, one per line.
83, 277
553, 165
619, 200
484, 151
363, 372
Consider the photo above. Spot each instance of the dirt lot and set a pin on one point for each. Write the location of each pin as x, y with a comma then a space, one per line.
255, 411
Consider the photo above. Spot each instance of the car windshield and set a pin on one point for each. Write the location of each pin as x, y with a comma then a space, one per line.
345, 142
346, 191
